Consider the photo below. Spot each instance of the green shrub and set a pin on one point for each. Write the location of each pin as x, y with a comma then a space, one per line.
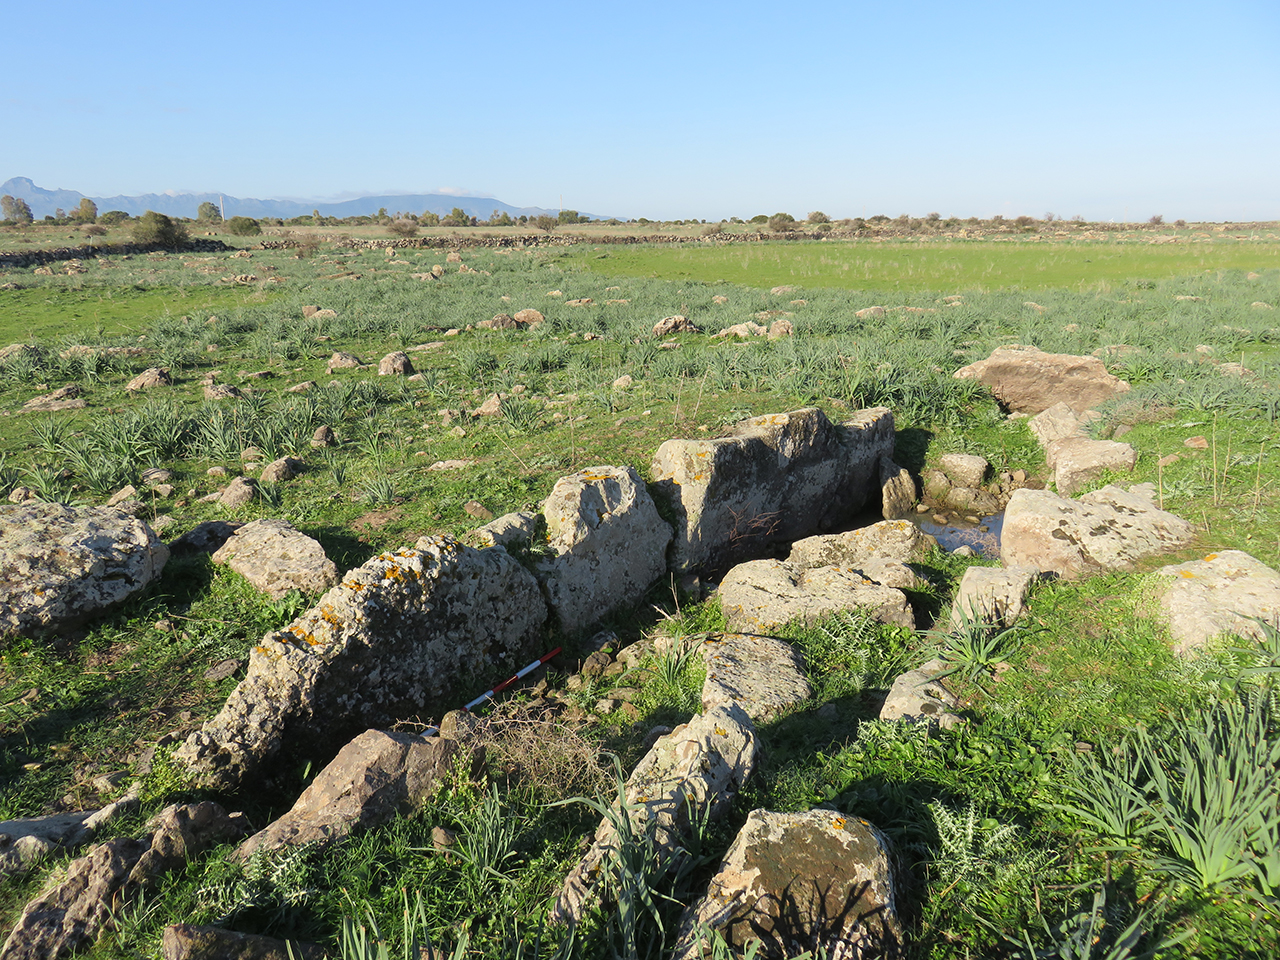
243, 227
156, 228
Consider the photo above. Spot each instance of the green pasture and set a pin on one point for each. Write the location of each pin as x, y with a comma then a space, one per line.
944, 267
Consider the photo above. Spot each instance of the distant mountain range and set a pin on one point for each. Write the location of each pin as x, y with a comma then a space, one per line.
45, 202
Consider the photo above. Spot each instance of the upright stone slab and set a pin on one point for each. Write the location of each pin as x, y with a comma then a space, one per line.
696, 770
992, 595
774, 479
60, 565
818, 881
1108, 529
397, 637
610, 544
1217, 594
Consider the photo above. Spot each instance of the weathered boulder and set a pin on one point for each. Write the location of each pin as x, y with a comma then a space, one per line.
397, 637
528, 315
151, 377
675, 324
992, 595
25, 841
221, 391
396, 364
963, 469
1107, 529
696, 770
897, 490
1077, 460
510, 528
610, 544
60, 564
64, 398
372, 779
1206, 598
764, 676
898, 540
109, 876
276, 558
1027, 380
238, 492
186, 941
762, 595
1057, 423
278, 471
503, 321
817, 881
205, 537
920, 696
774, 479
341, 360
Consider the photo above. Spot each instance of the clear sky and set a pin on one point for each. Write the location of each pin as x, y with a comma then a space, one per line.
694, 109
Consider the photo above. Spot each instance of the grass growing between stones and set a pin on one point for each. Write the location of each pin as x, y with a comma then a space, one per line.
987, 850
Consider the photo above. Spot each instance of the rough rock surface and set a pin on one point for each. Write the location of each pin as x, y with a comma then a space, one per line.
205, 537
276, 558
762, 595
111, 874
278, 471
1057, 423
763, 675
1027, 380
919, 696
963, 469
610, 544
395, 638
774, 479
238, 492
518, 527
992, 595
899, 540
1108, 529
64, 398
897, 490
676, 324
23, 842
372, 779
396, 364
185, 941
697, 768
60, 564
341, 360
1077, 460
151, 377
1205, 598
801, 882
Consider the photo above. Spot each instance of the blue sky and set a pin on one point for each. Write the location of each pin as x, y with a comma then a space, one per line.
664, 109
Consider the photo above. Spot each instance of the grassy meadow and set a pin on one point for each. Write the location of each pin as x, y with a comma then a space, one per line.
1027, 829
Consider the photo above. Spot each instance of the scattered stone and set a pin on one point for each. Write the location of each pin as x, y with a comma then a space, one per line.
623, 382
221, 391
151, 377
448, 466
1261, 305
374, 778
773, 480
64, 398
1027, 380
222, 670
60, 564
817, 881
900, 541
519, 527
341, 360
276, 558
477, 510
502, 321
781, 327
278, 471
492, 407
580, 302
897, 490
323, 437
1216, 595
763, 675
395, 364
964, 470
127, 492
186, 941
992, 595
1168, 461
25, 842
391, 640
205, 537
251, 454
153, 476
869, 313
1077, 460
1196, 443
1058, 422
762, 595
310, 311
674, 324
453, 257
1108, 529
529, 316
744, 330
238, 492
71, 914
609, 543
920, 696
21, 494
695, 771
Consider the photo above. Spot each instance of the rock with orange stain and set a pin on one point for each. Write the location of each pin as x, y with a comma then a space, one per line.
1216, 595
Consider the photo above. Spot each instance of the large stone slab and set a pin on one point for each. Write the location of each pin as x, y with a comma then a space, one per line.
398, 636
696, 770
610, 545
185, 941
762, 595
1206, 598
25, 841
992, 595
774, 479
60, 565
276, 558
764, 676
1077, 460
1107, 529
70, 915
818, 881
1028, 380
372, 779
898, 540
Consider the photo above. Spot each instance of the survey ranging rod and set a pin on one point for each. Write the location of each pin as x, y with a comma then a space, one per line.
510, 680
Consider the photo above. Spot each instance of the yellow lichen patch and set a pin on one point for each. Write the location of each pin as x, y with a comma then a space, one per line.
354, 585
721, 731
1210, 557
1186, 574
838, 823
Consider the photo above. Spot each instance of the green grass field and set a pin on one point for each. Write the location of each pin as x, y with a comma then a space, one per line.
946, 267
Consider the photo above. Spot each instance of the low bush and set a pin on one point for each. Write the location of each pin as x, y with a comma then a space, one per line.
243, 227
156, 228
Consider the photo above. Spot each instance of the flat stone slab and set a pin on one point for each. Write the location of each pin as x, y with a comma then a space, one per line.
1206, 598
992, 595
1077, 460
899, 540
762, 595
276, 558
921, 697
1108, 529
810, 881
763, 675
1027, 380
